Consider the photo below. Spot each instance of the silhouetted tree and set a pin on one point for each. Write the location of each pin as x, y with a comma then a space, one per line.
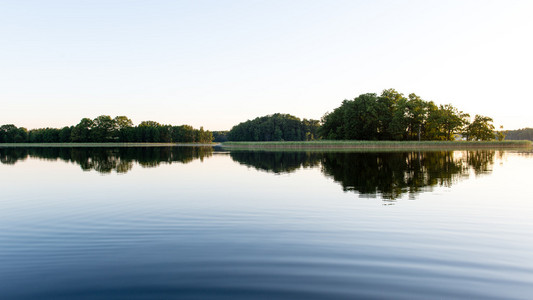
276, 127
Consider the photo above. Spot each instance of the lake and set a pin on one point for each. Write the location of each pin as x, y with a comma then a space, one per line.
209, 223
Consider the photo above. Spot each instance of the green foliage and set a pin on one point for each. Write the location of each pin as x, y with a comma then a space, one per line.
452, 120
123, 128
386, 104
203, 136
46, 135
82, 131
276, 127
481, 129
122, 122
391, 116
65, 134
332, 124
520, 134
220, 136
361, 118
500, 135
184, 133
11, 134
105, 129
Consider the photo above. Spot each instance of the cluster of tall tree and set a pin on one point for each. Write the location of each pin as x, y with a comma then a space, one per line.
520, 134
106, 129
276, 127
391, 116
10, 133
220, 136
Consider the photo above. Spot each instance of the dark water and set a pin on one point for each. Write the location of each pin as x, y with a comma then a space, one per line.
200, 223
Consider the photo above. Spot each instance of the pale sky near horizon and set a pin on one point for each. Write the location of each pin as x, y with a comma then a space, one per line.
218, 63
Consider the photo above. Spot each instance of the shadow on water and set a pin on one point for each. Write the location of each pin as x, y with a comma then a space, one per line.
389, 175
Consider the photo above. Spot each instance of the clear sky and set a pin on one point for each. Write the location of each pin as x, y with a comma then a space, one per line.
218, 63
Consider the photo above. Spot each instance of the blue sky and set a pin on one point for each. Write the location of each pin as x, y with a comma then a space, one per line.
218, 63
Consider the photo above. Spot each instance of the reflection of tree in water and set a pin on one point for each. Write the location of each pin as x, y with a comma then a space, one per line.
480, 161
389, 174
103, 160
276, 162
10, 156
106, 160
393, 174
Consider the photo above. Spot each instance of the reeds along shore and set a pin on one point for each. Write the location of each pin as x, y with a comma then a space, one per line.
381, 144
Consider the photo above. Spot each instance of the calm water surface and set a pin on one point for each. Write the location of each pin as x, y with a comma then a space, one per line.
200, 223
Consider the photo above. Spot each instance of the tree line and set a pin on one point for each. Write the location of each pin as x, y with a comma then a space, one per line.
389, 174
392, 116
106, 129
520, 134
276, 127
389, 116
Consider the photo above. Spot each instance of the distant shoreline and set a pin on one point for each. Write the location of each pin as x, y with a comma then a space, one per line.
74, 145
304, 145
409, 145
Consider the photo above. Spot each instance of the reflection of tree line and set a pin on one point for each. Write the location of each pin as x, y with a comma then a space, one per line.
105, 160
393, 174
390, 174
276, 162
